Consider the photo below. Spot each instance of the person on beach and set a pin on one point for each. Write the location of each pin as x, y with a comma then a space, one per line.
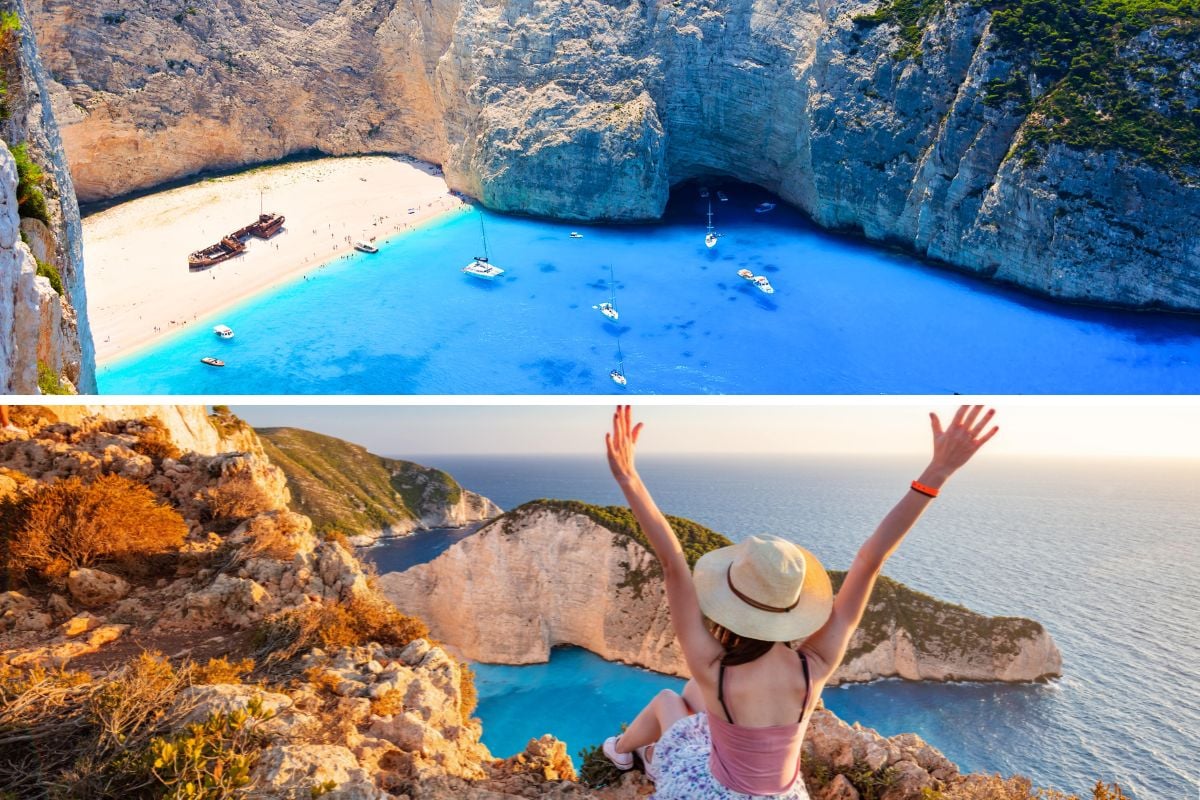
761, 634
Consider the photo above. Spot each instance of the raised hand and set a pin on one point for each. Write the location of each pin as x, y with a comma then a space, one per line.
954, 445
621, 444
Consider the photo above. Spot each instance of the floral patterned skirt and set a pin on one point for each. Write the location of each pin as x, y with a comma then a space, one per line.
682, 756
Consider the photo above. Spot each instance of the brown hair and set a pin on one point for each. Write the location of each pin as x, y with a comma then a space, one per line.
738, 649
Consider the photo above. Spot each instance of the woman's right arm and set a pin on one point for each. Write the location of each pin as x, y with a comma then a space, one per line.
952, 448
700, 649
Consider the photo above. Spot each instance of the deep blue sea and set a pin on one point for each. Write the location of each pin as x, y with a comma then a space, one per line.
1105, 555
846, 318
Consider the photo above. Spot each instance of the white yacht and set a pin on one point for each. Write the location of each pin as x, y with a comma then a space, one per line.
609, 309
763, 208
481, 268
763, 284
365, 247
618, 377
223, 331
724, 198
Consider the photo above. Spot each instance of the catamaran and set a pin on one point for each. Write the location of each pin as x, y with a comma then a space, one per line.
480, 266
710, 237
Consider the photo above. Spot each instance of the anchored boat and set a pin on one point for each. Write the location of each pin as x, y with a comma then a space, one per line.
710, 237
212, 362
365, 247
480, 266
609, 309
223, 331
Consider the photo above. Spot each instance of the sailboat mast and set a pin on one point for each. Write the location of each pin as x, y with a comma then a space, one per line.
483, 233
612, 286
710, 227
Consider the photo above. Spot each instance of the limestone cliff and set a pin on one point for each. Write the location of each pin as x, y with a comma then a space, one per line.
927, 125
586, 581
44, 336
343, 487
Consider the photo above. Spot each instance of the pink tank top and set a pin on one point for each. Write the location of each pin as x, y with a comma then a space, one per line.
757, 761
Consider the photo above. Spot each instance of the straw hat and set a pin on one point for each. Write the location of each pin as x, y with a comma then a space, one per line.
764, 588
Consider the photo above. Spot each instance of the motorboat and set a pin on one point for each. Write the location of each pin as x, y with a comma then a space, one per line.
212, 362
763, 208
724, 198
576, 235
481, 268
746, 275
763, 285
223, 331
703, 192
365, 247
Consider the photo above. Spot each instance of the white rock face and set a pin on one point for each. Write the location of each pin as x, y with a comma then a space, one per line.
550, 577
283, 772
555, 580
189, 426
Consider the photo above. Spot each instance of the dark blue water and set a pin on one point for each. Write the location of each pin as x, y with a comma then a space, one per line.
1104, 554
846, 318
399, 553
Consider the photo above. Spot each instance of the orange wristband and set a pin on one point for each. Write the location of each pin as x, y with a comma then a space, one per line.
928, 491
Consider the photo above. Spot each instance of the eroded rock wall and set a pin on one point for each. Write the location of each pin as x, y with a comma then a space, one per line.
529, 582
585, 109
38, 323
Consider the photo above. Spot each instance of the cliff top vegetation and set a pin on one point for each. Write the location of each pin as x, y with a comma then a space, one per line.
343, 486
1091, 74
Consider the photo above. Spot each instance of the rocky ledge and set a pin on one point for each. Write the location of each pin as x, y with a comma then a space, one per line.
588, 579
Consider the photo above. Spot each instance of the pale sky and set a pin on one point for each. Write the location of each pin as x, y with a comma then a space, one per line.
1089, 428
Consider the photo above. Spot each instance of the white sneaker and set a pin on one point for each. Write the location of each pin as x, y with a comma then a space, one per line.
622, 761
649, 762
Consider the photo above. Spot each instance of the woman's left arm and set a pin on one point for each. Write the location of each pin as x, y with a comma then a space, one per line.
952, 448
700, 649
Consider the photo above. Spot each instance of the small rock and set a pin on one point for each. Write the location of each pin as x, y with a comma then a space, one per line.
59, 607
80, 623
94, 588
32, 620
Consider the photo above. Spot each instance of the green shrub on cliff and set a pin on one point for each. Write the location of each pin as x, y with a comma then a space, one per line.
31, 202
47, 271
49, 381
1107, 78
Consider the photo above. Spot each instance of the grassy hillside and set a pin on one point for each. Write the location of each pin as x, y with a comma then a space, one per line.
342, 486
935, 625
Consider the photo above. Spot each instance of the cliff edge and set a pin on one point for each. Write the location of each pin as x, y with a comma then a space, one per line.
1061, 158
587, 578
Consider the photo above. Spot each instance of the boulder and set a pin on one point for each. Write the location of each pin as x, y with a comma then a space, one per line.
80, 623
295, 771
223, 698
94, 588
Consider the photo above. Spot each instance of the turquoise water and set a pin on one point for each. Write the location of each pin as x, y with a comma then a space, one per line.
1104, 554
846, 318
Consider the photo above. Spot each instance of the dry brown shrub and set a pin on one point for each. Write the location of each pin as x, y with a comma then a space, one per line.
993, 787
222, 670
284, 636
70, 524
468, 697
339, 538
389, 703
154, 441
238, 498
322, 679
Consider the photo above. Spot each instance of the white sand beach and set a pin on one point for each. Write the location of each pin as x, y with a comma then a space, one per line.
138, 283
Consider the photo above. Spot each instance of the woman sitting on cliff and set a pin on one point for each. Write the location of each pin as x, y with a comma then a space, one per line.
736, 730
